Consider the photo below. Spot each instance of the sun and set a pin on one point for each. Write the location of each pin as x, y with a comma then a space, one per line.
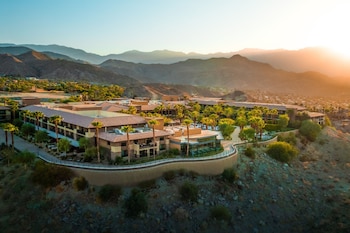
331, 30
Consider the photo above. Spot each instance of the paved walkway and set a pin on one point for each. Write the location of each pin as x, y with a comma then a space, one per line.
21, 145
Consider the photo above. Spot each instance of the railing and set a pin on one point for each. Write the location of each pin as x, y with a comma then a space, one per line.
53, 160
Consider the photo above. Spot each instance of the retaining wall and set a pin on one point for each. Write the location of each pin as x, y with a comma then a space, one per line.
134, 176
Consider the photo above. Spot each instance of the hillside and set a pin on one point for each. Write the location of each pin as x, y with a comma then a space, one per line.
42, 66
236, 72
268, 196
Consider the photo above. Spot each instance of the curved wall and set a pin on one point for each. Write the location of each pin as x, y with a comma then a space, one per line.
135, 176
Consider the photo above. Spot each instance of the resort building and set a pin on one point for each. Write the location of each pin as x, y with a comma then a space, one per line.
77, 122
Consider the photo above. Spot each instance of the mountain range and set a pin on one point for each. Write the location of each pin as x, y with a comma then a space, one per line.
225, 74
315, 59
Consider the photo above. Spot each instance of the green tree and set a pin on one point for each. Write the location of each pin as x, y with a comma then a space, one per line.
84, 143
41, 136
98, 125
153, 123
310, 130
128, 129
27, 130
247, 134
63, 145
283, 121
241, 121
282, 151
188, 122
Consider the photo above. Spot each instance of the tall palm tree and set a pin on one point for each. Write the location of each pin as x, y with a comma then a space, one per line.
56, 119
98, 125
12, 129
187, 122
25, 113
14, 106
38, 115
153, 123
4, 127
128, 129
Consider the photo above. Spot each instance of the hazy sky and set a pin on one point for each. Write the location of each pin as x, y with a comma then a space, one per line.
205, 26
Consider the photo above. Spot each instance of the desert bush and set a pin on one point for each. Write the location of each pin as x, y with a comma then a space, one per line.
229, 175
189, 192
135, 203
169, 175
109, 192
282, 151
290, 138
250, 152
49, 175
310, 130
25, 157
147, 184
80, 183
220, 213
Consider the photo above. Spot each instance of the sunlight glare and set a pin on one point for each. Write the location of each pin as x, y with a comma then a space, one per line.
331, 31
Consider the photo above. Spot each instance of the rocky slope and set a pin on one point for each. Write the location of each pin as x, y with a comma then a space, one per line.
268, 196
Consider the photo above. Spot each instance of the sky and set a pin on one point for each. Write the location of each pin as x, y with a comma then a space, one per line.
204, 26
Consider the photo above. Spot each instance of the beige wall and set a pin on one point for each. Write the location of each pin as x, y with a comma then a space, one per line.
135, 176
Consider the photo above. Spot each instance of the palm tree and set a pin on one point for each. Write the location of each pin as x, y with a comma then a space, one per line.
98, 125
56, 119
12, 129
4, 127
153, 123
188, 122
127, 129
206, 121
14, 106
38, 115
25, 113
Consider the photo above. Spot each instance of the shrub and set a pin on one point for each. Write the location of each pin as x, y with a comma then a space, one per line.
310, 130
229, 175
282, 151
250, 152
189, 192
49, 175
169, 175
272, 127
109, 193
290, 138
135, 203
118, 160
148, 184
220, 213
80, 183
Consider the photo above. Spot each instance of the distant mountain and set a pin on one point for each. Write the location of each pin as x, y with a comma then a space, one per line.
232, 73
309, 59
35, 64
